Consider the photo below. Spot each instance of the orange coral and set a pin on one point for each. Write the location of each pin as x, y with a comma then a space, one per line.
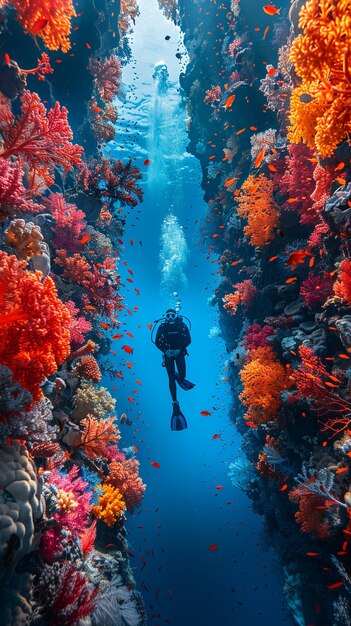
111, 505
311, 514
32, 347
48, 19
24, 237
263, 378
88, 368
125, 476
77, 268
128, 13
245, 294
256, 204
320, 107
97, 434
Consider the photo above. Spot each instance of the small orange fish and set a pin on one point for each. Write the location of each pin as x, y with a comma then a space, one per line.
97, 109
214, 546
297, 257
205, 413
252, 424
270, 9
103, 325
290, 280
118, 336
335, 585
216, 436
138, 381
147, 162
135, 449
230, 182
342, 470
127, 349
85, 239
155, 464
38, 25
312, 553
241, 131
129, 334
340, 166
149, 326
272, 71
284, 487
129, 365
88, 46
265, 32
260, 158
273, 258
7, 58
253, 127
272, 168
229, 102
343, 356
130, 399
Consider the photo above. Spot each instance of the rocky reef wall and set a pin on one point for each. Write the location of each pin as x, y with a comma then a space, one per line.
269, 122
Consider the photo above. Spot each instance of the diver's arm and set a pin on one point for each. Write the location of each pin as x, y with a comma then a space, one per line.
186, 339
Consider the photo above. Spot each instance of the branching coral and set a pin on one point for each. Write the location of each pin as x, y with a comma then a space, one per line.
48, 19
125, 476
97, 435
263, 141
213, 95
41, 140
92, 399
128, 13
320, 107
244, 294
263, 378
13, 398
297, 181
32, 347
111, 505
256, 204
79, 326
112, 181
107, 74
69, 223
13, 195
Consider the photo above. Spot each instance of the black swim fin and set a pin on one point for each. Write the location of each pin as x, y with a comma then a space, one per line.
184, 383
178, 421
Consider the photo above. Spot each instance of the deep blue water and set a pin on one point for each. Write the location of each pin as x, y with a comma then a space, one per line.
183, 513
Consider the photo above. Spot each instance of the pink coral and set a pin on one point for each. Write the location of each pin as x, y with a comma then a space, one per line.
107, 74
69, 223
42, 140
213, 95
79, 326
125, 476
13, 195
256, 336
74, 517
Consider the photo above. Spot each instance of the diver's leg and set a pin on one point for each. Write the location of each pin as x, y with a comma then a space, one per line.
181, 367
169, 363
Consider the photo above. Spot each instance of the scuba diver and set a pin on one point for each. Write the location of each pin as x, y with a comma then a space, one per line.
173, 338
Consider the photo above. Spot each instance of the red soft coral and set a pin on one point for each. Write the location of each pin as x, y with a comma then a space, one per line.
342, 287
316, 289
69, 223
113, 181
32, 347
297, 181
74, 598
42, 140
125, 476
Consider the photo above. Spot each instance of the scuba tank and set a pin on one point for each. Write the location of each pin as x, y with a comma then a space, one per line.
163, 319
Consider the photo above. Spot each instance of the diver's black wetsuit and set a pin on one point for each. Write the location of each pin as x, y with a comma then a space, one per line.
173, 335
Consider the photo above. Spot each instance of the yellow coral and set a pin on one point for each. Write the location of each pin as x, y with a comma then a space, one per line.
92, 399
111, 505
49, 19
66, 501
321, 58
263, 378
256, 204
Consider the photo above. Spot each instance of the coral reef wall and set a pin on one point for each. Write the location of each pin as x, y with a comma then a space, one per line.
268, 96
67, 483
